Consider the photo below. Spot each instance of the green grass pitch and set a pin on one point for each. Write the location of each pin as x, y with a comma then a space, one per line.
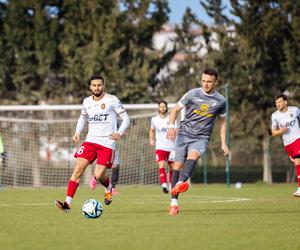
256, 217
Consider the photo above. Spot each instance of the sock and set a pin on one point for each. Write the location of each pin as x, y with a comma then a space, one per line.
188, 170
170, 176
174, 202
115, 176
298, 174
175, 178
162, 175
72, 187
104, 181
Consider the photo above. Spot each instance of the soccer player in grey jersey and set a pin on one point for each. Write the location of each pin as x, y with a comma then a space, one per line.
203, 105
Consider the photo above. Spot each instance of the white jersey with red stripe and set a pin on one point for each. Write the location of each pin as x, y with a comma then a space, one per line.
161, 126
102, 117
287, 119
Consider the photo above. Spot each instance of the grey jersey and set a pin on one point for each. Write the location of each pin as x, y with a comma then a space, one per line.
201, 112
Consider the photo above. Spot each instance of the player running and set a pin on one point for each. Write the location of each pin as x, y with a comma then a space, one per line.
164, 147
203, 105
100, 111
285, 123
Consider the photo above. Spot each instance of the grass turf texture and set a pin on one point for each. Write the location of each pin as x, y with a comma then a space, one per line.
211, 217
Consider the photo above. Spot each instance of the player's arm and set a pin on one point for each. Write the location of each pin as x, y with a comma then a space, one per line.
171, 134
79, 127
123, 127
223, 135
279, 131
152, 136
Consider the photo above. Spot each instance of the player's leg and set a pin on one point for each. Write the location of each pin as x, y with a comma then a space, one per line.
170, 164
174, 209
161, 157
115, 172
81, 165
105, 157
297, 170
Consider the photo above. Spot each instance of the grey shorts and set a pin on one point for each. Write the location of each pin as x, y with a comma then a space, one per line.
185, 144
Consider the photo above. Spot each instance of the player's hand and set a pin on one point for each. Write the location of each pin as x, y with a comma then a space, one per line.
171, 134
284, 130
76, 138
115, 136
152, 143
225, 150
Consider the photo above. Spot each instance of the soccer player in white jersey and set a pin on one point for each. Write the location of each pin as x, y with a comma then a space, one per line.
285, 123
100, 111
202, 107
164, 147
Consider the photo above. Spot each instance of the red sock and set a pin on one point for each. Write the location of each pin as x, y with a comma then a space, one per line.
298, 174
104, 181
162, 175
72, 186
170, 176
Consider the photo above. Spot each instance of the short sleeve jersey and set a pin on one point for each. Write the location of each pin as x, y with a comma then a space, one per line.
201, 111
287, 119
161, 126
102, 119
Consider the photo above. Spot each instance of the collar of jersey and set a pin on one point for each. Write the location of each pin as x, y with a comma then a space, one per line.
209, 94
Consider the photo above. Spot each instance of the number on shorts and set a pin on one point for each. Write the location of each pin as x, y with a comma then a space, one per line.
80, 150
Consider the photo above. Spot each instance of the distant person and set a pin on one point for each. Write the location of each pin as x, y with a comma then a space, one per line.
100, 111
285, 124
164, 148
202, 106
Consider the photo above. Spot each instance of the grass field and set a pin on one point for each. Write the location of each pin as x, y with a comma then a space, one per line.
211, 217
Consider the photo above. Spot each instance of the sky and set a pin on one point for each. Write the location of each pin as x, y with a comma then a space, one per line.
178, 8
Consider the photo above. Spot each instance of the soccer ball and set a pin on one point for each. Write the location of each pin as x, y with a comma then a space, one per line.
92, 209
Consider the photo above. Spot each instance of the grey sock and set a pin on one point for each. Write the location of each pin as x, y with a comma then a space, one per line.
187, 171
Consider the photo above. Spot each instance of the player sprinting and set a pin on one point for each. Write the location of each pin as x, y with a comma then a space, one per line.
203, 105
164, 147
285, 123
100, 111
115, 172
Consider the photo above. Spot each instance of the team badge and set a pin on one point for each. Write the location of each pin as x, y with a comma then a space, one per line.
291, 115
204, 107
103, 106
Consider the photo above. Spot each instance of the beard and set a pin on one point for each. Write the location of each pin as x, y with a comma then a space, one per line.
97, 94
162, 112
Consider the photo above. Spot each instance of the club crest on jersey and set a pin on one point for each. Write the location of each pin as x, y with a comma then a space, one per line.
103, 106
291, 115
204, 107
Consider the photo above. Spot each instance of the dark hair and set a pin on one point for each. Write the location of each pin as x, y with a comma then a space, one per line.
96, 77
211, 72
281, 95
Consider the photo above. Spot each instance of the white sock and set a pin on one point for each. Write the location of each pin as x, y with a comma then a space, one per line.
174, 202
164, 185
108, 189
69, 199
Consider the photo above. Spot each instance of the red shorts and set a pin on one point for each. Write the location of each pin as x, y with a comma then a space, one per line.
293, 149
162, 155
91, 151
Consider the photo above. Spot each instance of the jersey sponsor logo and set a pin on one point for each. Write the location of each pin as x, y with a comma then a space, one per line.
290, 124
98, 118
203, 111
103, 106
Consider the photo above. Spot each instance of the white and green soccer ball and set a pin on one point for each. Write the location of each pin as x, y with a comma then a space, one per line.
92, 209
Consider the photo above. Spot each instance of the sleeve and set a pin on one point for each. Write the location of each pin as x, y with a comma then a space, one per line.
152, 124
185, 99
82, 119
117, 106
222, 110
274, 123
125, 123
